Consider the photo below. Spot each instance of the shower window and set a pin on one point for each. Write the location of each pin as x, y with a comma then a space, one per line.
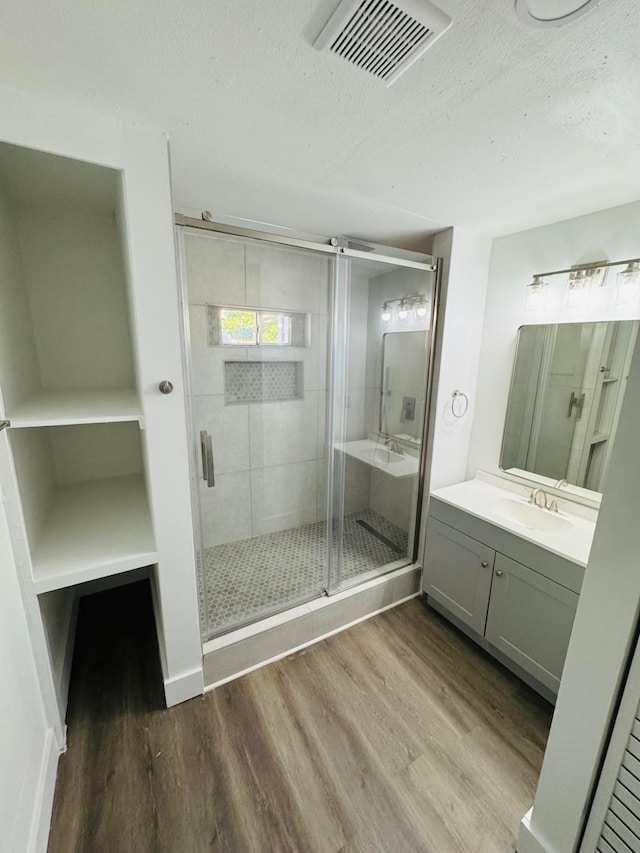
274, 329
238, 328
241, 327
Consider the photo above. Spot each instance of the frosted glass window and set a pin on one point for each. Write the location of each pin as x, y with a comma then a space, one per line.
275, 329
238, 328
243, 327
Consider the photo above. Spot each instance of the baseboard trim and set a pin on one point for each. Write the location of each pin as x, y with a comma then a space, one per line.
182, 687
527, 841
210, 687
43, 796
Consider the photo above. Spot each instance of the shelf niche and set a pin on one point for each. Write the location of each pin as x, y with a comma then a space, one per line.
84, 501
66, 344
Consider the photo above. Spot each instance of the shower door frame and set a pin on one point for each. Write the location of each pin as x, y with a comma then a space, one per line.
183, 224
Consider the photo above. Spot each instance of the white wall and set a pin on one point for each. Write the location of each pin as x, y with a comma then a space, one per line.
24, 732
72, 263
17, 343
464, 279
611, 233
600, 642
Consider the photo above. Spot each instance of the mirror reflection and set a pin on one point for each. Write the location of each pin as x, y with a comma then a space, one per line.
566, 393
402, 397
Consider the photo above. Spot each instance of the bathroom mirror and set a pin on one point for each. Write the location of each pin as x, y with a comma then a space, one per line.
402, 397
566, 393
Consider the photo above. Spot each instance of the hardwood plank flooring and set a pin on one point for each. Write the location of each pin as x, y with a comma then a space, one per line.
396, 735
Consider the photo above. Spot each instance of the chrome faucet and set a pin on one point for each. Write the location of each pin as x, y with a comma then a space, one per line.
560, 483
540, 498
392, 445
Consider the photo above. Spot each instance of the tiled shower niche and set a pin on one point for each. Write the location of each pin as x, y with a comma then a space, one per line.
263, 381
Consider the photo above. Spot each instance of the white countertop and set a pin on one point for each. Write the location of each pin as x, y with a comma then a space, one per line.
480, 498
376, 454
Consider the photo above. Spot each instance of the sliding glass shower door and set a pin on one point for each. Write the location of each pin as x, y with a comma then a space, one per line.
307, 406
381, 318
258, 325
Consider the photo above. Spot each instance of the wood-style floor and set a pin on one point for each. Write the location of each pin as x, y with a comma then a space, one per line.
396, 735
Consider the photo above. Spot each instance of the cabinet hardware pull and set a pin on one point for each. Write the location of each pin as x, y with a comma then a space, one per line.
165, 386
499, 572
4, 424
484, 564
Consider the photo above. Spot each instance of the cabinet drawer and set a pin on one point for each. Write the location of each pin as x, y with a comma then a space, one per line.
530, 620
457, 573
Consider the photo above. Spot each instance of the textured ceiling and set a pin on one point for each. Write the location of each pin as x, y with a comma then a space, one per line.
498, 127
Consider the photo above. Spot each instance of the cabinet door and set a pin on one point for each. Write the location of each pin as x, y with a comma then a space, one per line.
458, 573
530, 620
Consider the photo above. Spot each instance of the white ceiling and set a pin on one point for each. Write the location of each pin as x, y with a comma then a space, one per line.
499, 127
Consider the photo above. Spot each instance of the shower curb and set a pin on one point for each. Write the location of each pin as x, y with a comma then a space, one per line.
247, 649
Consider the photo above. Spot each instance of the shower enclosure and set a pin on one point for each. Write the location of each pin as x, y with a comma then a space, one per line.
307, 370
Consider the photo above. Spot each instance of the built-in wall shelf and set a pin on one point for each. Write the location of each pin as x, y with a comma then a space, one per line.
81, 406
94, 529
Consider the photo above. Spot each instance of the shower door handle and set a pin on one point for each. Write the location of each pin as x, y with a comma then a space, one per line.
206, 448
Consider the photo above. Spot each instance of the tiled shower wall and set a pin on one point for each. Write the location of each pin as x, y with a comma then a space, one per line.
269, 457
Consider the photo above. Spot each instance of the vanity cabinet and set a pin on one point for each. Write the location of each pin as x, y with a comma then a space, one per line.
459, 574
522, 613
530, 619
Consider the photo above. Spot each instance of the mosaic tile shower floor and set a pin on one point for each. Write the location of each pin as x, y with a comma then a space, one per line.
247, 578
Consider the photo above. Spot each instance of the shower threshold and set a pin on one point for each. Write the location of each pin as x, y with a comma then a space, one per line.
235, 653
251, 579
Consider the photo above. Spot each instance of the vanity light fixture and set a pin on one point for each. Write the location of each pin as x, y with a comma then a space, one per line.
536, 295
628, 284
404, 306
588, 284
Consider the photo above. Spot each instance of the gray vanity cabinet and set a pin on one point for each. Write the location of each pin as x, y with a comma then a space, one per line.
519, 607
459, 575
530, 620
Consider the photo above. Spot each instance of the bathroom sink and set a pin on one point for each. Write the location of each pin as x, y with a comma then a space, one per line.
381, 455
528, 515
378, 456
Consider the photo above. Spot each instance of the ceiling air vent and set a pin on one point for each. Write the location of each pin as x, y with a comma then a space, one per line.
382, 37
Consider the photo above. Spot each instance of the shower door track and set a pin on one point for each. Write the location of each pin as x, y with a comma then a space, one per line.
294, 242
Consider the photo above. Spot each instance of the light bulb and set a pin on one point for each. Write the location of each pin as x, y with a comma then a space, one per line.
628, 285
403, 310
577, 289
536, 295
422, 308
386, 314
